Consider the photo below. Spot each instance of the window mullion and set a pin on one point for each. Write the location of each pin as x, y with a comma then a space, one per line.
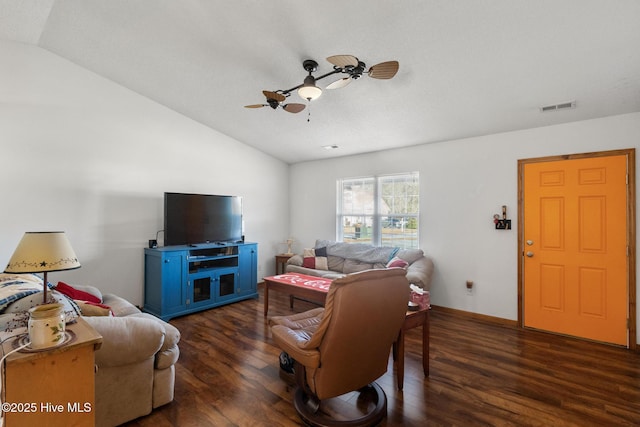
377, 218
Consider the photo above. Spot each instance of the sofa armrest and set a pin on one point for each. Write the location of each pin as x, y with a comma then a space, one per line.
420, 272
126, 340
295, 260
119, 306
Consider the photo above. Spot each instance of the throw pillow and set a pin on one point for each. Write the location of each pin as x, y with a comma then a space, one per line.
94, 309
397, 263
315, 258
76, 294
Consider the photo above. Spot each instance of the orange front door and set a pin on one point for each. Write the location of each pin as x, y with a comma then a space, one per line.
575, 248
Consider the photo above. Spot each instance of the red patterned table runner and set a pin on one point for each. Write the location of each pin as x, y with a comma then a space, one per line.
302, 280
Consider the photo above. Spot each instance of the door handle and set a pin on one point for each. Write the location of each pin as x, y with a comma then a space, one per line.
530, 254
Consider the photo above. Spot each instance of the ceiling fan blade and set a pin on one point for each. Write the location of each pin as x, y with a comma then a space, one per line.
342, 61
273, 95
339, 83
293, 108
384, 70
255, 106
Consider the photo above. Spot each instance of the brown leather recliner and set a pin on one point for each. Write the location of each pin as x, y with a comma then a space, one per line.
345, 346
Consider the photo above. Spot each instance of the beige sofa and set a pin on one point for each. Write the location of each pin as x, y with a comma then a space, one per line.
346, 258
135, 365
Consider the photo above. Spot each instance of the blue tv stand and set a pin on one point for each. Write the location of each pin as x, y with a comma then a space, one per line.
179, 280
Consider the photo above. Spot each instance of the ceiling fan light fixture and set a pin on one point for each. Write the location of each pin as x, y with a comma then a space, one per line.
309, 90
348, 65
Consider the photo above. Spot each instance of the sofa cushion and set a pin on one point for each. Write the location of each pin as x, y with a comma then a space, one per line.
354, 266
326, 274
335, 263
315, 258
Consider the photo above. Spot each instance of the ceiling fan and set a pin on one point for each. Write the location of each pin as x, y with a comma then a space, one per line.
342, 64
275, 100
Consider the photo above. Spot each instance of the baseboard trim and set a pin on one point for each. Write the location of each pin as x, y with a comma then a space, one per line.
476, 316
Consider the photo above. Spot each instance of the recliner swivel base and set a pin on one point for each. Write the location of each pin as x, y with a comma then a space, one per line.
369, 409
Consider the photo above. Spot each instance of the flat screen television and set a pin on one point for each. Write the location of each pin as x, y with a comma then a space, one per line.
190, 219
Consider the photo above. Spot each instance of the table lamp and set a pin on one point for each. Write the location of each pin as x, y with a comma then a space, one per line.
41, 252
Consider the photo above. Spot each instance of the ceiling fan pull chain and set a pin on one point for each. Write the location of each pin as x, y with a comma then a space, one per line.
309, 113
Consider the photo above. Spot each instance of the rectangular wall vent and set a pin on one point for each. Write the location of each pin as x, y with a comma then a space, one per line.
556, 107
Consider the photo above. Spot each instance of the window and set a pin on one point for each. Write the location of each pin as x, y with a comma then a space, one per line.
381, 211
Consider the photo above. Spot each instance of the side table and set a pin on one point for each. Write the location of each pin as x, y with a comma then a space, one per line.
413, 319
53, 387
281, 262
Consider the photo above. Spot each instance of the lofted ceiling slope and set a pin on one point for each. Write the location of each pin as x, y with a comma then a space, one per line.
467, 68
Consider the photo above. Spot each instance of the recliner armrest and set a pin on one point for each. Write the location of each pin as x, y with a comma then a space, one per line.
126, 340
169, 352
305, 320
290, 340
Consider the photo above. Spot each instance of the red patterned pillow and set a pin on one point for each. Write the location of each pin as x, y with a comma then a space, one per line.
74, 293
315, 258
397, 262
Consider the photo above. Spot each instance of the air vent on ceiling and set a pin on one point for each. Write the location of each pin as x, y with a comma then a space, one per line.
556, 107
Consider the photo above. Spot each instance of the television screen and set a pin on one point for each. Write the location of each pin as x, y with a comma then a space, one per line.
200, 218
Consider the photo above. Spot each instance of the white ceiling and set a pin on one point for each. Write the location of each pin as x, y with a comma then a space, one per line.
467, 67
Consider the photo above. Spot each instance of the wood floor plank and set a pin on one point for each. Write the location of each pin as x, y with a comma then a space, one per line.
481, 374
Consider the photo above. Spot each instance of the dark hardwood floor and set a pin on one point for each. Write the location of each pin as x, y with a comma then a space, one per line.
482, 374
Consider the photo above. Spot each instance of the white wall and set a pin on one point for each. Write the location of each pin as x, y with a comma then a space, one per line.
462, 184
84, 155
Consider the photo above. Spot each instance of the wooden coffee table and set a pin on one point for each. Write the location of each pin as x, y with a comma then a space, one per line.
297, 285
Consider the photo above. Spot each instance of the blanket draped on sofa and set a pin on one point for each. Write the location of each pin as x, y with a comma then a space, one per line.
346, 258
359, 251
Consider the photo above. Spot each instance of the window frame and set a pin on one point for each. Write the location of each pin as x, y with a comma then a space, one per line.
377, 215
